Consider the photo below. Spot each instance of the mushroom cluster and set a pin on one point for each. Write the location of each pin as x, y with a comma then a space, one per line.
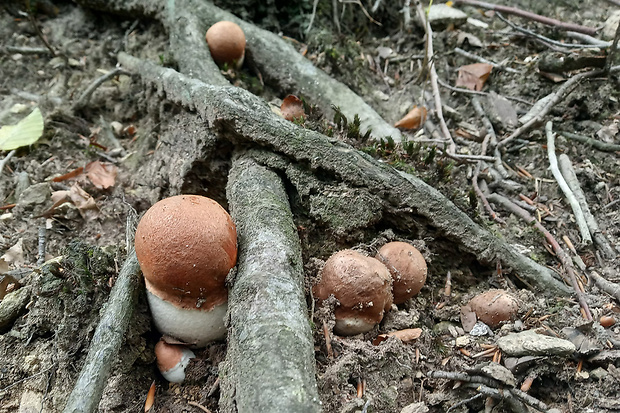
365, 287
186, 246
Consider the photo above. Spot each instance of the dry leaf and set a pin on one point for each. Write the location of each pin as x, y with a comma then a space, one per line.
102, 175
473, 76
468, 318
15, 254
84, 202
150, 398
414, 119
405, 336
292, 108
8, 284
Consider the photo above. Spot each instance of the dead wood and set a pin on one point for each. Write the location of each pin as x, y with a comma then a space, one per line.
269, 364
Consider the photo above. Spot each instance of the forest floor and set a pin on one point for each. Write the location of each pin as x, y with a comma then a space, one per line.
123, 124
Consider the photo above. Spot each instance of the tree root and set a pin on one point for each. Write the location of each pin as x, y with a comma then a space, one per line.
278, 62
269, 364
245, 119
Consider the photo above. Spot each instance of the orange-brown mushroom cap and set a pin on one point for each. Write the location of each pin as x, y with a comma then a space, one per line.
494, 306
186, 245
362, 286
226, 42
408, 269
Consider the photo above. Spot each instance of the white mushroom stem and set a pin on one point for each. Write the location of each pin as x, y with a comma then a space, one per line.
194, 327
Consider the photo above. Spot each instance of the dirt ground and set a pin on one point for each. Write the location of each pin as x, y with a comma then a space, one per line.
127, 127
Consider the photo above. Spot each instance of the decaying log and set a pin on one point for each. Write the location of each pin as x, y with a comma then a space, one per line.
278, 62
269, 365
245, 119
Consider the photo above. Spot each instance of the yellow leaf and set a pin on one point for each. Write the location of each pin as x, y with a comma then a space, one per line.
26, 132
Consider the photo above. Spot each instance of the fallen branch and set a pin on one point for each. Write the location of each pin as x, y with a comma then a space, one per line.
269, 364
572, 200
108, 336
566, 168
242, 117
529, 15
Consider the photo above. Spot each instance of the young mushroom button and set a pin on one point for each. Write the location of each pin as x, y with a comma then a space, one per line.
362, 286
408, 269
186, 245
226, 43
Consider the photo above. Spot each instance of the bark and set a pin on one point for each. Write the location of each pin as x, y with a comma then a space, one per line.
279, 63
107, 340
244, 119
269, 364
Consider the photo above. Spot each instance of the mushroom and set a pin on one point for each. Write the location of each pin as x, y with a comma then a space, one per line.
491, 307
362, 286
408, 269
172, 359
186, 245
226, 42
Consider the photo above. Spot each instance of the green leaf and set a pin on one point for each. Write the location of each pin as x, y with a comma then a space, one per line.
26, 132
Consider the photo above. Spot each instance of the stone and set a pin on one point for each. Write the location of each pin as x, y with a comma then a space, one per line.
609, 29
419, 407
529, 343
441, 16
35, 194
12, 305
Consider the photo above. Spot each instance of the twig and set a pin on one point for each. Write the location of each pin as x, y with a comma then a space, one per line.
463, 402
610, 288
433, 78
312, 16
514, 405
200, 406
41, 252
566, 168
25, 50
480, 59
479, 92
359, 3
602, 44
108, 337
85, 96
490, 136
37, 29
595, 143
335, 15
10, 386
572, 200
543, 39
559, 251
6, 159
564, 90
613, 51
529, 15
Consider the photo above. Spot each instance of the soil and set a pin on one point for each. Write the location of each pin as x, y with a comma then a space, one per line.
129, 126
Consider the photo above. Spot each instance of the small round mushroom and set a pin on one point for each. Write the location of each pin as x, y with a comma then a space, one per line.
172, 359
226, 42
493, 307
186, 245
362, 286
408, 269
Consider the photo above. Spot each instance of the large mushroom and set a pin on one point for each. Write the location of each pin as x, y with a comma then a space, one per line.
408, 269
362, 286
186, 245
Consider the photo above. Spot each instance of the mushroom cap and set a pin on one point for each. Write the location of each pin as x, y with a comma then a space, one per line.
186, 245
408, 269
362, 286
494, 306
172, 359
226, 42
